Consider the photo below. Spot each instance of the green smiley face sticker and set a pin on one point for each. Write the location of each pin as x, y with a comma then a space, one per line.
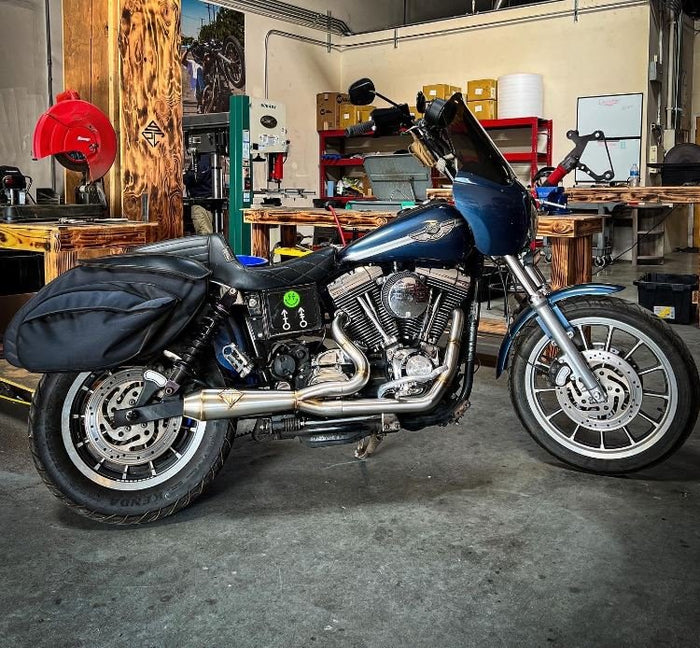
291, 299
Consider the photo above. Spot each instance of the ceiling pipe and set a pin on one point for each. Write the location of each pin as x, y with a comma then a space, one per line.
441, 32
289, 13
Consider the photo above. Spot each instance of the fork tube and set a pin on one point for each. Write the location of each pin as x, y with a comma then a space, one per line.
543, 308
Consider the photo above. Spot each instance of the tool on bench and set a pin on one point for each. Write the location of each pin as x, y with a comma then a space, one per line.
81, 138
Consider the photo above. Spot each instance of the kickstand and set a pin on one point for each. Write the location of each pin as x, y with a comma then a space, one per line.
368, 446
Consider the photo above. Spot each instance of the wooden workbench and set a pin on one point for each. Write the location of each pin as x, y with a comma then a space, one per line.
63, 244
676, 195
263, 219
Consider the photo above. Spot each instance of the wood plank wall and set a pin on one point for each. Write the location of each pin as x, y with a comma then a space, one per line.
124, 56
90, 66
151, 112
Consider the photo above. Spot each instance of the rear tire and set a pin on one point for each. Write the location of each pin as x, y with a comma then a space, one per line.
647, 370
110, 475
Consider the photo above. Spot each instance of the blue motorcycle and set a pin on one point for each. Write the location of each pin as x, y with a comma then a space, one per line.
151, 358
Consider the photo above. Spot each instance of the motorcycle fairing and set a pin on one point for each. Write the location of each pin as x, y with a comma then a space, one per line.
498, 214
554, 298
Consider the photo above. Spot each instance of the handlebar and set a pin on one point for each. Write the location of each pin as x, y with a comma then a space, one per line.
363, 128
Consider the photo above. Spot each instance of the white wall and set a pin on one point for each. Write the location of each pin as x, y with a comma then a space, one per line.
602, 53
23, 81
296, 73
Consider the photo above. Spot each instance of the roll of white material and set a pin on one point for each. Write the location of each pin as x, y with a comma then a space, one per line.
520, 95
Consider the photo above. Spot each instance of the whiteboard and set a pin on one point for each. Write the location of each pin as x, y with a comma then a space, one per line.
617, 115
623, 153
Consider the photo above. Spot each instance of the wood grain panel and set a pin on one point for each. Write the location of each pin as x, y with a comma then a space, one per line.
92, 69
20, 237
679, 195
348, 218
569, 226
572, 261
151, 112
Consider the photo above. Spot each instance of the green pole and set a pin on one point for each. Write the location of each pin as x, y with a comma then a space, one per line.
241, 173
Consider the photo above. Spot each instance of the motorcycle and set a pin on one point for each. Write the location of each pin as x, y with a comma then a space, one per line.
151, 358
218, 70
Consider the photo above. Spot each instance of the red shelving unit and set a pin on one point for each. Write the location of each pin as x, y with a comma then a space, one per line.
536, 127
334, 141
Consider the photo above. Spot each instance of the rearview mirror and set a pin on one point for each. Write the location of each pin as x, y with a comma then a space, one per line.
362, 92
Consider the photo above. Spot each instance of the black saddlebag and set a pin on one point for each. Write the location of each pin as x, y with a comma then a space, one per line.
106, 312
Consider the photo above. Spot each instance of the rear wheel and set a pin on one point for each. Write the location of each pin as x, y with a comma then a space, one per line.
121, 475
647, 371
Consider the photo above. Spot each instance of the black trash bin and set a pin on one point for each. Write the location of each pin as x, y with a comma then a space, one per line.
670, 296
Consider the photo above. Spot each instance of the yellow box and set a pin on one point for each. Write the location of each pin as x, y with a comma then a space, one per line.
328, 109
414, 112
481, 89
364, 113
483, 109
347, 115
440, 91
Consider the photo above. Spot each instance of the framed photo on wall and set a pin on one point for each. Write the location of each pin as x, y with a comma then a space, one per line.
213, 56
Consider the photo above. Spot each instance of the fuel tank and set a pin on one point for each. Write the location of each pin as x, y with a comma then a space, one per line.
431, 233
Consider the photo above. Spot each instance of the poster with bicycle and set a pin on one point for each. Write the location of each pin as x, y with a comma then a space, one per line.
213, 61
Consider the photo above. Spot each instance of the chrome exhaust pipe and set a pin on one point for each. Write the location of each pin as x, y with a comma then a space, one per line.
325, 399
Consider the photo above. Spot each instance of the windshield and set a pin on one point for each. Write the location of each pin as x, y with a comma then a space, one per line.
473, 149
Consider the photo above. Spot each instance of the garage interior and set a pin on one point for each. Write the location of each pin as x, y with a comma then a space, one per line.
468, 534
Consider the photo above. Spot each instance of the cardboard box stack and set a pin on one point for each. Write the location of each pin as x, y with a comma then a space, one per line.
328, 109
440, 91
348, 115
482, 97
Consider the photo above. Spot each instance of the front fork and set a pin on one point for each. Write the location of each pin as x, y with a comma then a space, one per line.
538, 292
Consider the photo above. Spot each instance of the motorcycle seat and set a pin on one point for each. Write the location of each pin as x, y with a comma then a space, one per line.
213, 252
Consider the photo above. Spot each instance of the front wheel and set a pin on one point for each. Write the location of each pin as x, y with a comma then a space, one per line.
647, 371
121, 475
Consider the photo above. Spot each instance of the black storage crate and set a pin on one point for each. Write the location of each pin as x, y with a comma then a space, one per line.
670, 296
20, 272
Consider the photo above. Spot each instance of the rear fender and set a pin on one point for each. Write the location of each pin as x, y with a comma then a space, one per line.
553, 299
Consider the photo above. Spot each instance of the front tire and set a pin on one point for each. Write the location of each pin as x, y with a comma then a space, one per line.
649, 375
119, 475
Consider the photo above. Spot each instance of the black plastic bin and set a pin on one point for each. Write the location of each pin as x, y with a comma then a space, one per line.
670, 296
20, 272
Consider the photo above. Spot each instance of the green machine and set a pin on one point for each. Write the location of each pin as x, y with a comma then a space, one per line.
257, 133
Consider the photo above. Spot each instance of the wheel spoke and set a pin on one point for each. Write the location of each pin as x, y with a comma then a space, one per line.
602, 440
544, 389
608, 341
634, 348
648, 418
153, 469
573, 434
646, 371
583, 337
657, 395
629, 436
553, 414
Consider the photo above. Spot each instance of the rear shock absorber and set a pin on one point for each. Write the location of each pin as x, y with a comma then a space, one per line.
209, 326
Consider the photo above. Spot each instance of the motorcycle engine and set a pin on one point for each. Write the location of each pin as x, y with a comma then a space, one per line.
401, 315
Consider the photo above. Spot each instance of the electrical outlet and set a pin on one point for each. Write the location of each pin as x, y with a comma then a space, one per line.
653, 155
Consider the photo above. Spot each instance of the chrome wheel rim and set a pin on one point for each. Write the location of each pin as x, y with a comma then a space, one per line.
638, 377
124, 458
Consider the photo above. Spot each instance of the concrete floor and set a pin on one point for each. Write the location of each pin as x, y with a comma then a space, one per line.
465, 536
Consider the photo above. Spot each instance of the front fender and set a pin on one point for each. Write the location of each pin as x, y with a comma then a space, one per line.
529, 313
